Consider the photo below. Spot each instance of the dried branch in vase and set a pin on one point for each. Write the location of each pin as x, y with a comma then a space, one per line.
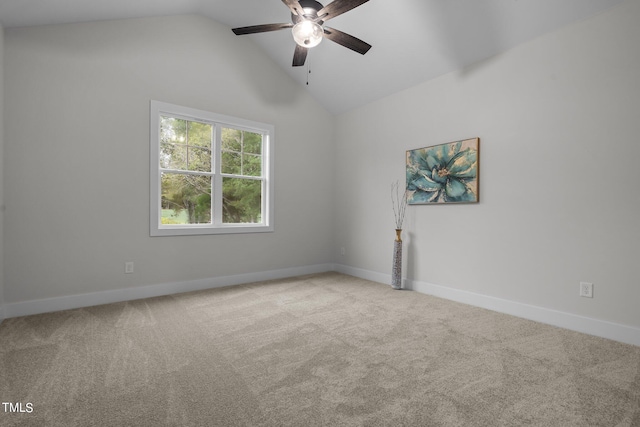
399, 203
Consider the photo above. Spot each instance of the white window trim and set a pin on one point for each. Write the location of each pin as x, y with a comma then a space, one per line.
157, 109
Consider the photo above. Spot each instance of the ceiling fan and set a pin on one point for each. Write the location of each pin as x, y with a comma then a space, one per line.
307, 25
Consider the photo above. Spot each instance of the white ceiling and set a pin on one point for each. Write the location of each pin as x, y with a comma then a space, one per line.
413, 40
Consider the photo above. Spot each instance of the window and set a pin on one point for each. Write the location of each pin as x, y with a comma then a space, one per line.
210, 174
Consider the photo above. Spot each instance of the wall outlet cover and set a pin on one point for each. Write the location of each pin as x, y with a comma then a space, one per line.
586, 289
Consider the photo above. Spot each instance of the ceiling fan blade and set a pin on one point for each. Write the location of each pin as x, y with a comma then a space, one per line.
260, 28
295, 7
346, 40
299, 56
338, 7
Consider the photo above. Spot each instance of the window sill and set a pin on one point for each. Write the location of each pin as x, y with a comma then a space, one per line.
205, 230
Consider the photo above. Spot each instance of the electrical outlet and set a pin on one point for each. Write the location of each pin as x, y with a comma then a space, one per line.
586, 289
343, 251
128, 267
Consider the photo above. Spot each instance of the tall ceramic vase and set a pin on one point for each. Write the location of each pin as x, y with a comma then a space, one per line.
396, 272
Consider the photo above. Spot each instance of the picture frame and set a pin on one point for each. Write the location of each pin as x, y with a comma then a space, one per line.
444, 173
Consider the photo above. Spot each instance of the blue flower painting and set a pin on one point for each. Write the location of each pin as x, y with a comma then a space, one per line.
445, 173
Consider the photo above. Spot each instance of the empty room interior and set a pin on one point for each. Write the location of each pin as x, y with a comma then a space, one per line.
200, 199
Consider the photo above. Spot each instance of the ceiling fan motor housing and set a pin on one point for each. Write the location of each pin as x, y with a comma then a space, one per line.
311, 8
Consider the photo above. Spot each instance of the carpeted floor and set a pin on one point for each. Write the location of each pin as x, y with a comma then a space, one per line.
320, 350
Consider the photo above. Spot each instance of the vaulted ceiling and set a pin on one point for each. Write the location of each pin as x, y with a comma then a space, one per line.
413, 40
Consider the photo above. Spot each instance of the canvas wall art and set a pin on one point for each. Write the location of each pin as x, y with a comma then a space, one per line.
445, 173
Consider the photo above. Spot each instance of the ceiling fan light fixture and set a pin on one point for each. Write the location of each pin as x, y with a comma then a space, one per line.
307, 33
307, 26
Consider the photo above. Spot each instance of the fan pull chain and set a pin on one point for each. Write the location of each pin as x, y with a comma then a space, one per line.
308, 72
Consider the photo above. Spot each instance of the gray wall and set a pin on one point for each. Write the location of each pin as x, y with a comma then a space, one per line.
77, 155
1, 173
559, 129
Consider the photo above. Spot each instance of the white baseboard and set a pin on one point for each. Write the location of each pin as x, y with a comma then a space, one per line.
601, 328
587, 325
127, 294
363, 274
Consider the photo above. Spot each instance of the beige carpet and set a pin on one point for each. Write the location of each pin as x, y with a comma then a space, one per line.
321, 350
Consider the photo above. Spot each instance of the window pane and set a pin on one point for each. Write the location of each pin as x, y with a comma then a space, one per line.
199, 134
231, 139
231, 163
252, 165
173, 156
185, 145
172, 130
186, 199
199, 159
252, 143
241, 201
